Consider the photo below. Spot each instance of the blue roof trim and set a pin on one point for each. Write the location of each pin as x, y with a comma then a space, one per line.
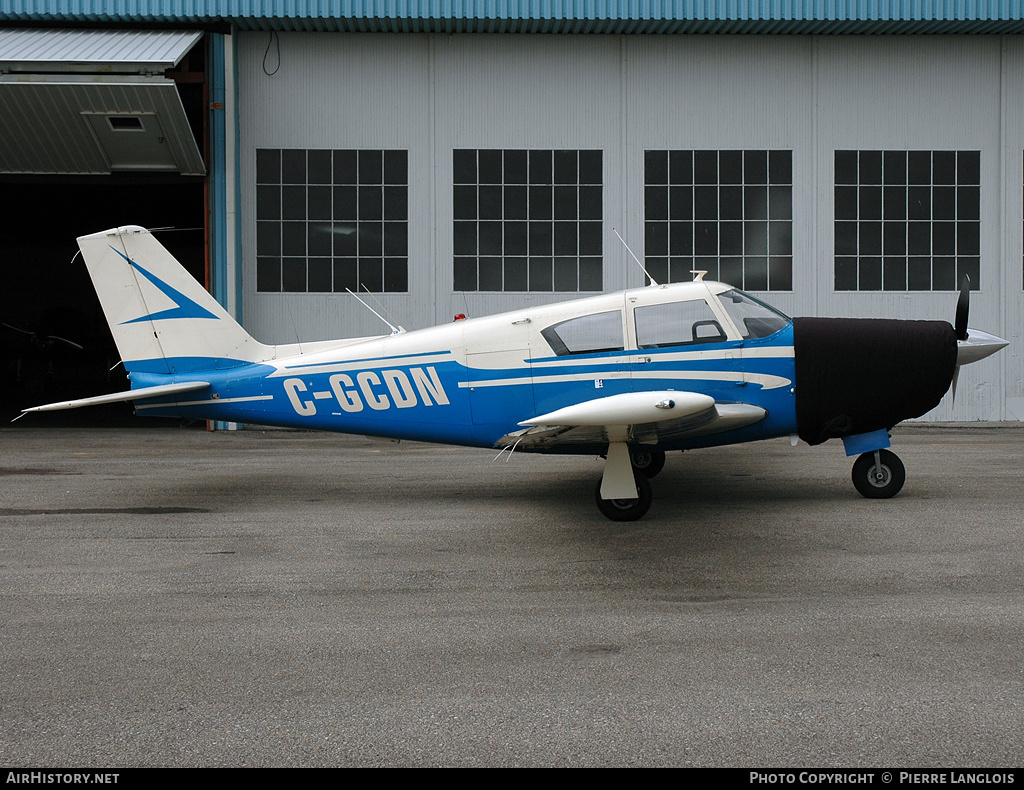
546, 16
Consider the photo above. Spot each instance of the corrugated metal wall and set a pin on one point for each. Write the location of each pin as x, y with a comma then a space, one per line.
431, 94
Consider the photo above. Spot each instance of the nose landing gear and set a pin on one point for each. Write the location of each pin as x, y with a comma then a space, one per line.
879, 474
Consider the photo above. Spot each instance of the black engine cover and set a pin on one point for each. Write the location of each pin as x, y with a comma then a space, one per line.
856, 375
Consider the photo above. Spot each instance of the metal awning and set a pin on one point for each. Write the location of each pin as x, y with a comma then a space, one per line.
94, 102
94, 51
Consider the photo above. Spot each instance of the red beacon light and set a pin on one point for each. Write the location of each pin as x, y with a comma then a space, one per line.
460, 316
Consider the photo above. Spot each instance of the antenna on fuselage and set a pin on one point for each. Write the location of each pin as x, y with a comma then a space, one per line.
653, 281
395, 330
380, 304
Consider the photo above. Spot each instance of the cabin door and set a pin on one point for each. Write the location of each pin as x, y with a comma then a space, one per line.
500, 379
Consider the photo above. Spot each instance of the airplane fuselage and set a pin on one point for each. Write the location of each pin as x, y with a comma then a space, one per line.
475, 381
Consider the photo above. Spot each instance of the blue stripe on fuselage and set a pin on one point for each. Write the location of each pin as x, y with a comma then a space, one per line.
418, 402
185, 365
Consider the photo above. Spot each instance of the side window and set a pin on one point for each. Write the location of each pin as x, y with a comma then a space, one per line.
677, 324
587, 334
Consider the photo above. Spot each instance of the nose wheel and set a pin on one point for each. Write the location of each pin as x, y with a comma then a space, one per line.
879, 474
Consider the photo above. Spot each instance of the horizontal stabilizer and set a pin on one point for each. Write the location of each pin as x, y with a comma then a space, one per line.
117, 397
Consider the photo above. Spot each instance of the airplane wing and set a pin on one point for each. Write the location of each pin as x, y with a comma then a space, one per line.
641, 417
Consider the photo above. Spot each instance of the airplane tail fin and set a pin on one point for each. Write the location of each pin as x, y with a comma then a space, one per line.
162, 320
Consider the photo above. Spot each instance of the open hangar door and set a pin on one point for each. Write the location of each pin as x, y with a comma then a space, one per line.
105, 129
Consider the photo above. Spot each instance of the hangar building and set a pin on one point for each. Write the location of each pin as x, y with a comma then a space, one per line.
845, 158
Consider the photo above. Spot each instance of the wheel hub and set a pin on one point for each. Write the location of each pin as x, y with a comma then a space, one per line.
642, 460
879, 476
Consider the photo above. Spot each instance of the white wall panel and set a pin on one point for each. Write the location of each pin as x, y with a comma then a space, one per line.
1011, 250
344, 92
539, 92
431, 94
916, 93
723, 93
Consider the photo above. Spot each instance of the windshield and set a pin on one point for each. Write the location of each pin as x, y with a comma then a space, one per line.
753, 318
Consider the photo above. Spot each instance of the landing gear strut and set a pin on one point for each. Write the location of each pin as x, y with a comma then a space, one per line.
627, 509
879, 474
624, 493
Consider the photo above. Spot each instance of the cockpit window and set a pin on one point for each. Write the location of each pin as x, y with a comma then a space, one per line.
752, 317
677, 324
587, 334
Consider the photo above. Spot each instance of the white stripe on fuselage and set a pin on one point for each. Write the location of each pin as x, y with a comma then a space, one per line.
770, 352
767, 381
657, 355
304, 369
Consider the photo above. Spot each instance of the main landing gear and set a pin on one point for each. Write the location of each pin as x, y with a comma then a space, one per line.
647, 462
627, 509
879, 474
642, 466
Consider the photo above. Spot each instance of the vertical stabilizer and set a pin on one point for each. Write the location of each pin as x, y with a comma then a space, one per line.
162, 320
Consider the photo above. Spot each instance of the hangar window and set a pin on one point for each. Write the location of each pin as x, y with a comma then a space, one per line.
907, 220
327, 220
729, 213
527, 220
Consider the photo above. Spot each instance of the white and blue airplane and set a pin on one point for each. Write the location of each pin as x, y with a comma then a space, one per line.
628, 376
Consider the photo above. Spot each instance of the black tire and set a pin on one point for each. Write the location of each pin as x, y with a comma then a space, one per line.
648, 462
627, 509
879, 483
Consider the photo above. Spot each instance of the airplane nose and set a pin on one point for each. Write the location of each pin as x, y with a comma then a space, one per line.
858, 375
977, 345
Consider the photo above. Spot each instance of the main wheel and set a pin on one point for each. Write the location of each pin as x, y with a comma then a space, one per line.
648, 462
881, 479
627, 509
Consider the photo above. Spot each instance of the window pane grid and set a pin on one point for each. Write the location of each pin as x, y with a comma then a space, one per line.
527, 220
729, 213
907, 220
331, 220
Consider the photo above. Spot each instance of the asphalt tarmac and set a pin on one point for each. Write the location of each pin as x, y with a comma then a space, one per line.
173, 597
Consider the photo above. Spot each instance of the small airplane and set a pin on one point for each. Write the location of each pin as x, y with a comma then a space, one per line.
628, 376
